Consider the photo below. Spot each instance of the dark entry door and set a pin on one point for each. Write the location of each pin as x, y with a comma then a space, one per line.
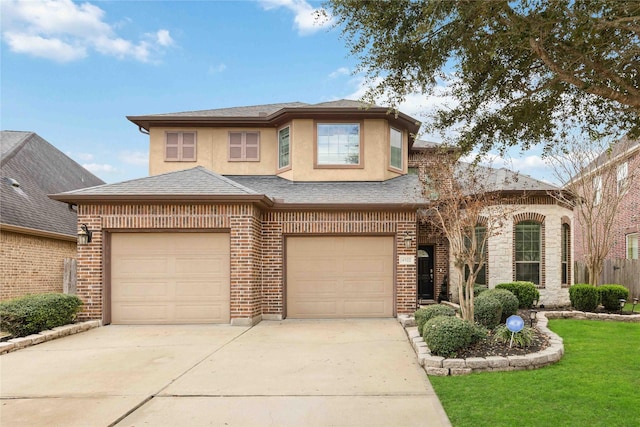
425, 272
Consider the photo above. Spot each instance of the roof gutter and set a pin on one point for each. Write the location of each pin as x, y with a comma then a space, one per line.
38, 233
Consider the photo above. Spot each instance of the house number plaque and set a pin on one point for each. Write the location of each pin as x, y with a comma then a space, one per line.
406, 259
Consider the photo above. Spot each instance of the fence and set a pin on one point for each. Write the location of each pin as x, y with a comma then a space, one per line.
625, 272
69, 276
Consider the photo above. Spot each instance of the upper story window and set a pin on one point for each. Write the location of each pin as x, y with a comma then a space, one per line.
180, 147
395, 141
338, 144
622, 175
597, 190
632, 246
244, 146
284, 159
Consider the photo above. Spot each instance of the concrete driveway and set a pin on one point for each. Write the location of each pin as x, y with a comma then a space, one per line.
289, 373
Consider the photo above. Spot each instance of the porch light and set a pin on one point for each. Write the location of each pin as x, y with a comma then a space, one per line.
532, 316
622, 303
535, 301
635, 302
84, 235
407, 240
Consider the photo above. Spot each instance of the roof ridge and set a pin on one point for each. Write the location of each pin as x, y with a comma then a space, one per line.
18, 146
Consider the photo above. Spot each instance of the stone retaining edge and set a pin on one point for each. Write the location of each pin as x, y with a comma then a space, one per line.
57, 332
439, 366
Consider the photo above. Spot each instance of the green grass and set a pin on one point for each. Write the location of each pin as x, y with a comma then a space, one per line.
597, 383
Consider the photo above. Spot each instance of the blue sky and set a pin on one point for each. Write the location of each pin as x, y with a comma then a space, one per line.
72, 71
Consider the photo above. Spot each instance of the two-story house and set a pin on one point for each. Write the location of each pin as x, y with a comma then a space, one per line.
275, 211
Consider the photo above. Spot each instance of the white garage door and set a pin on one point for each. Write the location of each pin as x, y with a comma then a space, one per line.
165, 278
339, 277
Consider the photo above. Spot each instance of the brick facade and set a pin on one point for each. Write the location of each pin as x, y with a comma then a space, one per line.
257, 248
32, 264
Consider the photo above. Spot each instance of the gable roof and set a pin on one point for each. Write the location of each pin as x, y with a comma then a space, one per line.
504, 180
270, 115
30, 169
195, 184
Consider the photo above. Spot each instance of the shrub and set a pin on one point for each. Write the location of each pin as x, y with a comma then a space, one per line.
478, 333
478, 289
422, 315
507, 299
584, 297
487, 311
610, 296
445, 335
526, 292
524, 338
34, 313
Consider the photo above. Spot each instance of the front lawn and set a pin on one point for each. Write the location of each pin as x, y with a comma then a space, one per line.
597, 383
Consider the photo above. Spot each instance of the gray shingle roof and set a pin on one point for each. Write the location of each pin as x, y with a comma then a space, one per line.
504, 179
400, 190
39, 169
197, 181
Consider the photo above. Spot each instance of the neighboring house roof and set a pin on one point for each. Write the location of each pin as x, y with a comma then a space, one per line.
199, 184
619, 150
30, 169
276, 115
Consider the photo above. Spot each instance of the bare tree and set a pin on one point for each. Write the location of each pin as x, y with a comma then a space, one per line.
467, 210
597, 176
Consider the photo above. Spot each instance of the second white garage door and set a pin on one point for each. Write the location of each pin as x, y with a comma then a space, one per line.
165, 278
340, 277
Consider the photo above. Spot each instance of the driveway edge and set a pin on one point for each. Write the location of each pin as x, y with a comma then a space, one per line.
48, 335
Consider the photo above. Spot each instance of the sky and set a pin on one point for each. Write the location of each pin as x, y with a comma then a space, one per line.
72, 71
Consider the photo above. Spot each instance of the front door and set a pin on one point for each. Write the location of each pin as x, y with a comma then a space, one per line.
425, 272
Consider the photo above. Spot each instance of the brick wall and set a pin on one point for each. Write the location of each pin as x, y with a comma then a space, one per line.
32, 264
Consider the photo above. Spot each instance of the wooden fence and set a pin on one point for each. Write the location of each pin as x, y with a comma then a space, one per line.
69, 276
625, 272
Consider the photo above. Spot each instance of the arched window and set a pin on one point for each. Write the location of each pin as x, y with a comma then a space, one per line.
528, 251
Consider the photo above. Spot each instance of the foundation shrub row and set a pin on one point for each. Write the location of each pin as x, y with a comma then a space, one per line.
585, 297
35, 313
526, 292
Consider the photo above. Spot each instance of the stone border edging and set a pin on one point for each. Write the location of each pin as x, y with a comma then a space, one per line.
440, 366
57, 332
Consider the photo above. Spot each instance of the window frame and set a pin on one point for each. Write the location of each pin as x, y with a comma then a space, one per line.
180, 146
391, 147
565, 254
243, 146
318, 124
540, 252
628, 251
480, 231
288, 165
597, 190
622, 179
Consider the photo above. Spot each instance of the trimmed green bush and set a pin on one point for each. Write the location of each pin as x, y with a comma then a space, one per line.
445, 335
422, 315
610, 296
34, 313
487, 311
524, 338
507, 299
478, 289
584, 297
526, 292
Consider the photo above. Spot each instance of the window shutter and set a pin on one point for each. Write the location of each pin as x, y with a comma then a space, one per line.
171, 146
188, 146
252, 148
235, 146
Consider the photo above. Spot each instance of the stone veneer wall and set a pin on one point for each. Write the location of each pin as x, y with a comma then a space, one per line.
32, 264
277, 225
501, 252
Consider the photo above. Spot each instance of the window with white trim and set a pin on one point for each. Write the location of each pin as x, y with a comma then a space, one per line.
632, 246
180, 147
597, 190
395, 142
244, 147
622, 175
284, 147
338, 144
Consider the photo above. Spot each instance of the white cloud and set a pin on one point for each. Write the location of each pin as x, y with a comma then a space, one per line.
215, 69
84, 157
138, 158
97, 168
64, 31
307, 19
342, 71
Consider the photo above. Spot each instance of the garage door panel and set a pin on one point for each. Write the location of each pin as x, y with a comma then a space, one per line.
170, 278
340, 276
